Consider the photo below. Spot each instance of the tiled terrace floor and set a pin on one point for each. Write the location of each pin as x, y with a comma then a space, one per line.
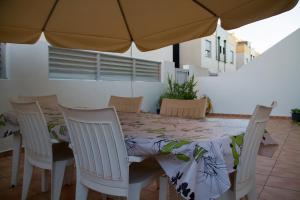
278, 178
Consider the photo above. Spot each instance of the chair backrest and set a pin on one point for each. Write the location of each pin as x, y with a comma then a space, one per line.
126, 104
45, 102
36, 138
252, 140
99, 149
184, 108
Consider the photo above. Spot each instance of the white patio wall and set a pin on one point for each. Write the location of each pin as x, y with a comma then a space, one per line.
272, 76
27, 67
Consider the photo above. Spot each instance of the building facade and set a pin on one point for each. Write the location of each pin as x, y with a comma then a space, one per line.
244, 53
218, 53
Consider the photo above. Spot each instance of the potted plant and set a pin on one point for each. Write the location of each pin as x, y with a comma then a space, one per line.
296, 114
184, 91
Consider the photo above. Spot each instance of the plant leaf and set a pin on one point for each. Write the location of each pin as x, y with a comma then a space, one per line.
182, 157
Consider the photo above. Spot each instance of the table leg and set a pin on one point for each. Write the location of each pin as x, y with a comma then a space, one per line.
15, 158
163, 188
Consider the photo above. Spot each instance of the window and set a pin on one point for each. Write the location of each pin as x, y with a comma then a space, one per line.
2, 62
88, 65
208, 48
231, 57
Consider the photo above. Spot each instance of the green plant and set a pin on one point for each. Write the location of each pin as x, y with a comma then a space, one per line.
296, 110
186, 90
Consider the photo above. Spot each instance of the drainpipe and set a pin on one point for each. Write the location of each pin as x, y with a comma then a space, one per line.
224, 52
218, 52
176, 55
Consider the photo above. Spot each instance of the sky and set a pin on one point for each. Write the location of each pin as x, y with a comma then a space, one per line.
266, 33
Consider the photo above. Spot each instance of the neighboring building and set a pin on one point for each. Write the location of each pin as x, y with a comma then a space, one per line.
244, 53
217, 53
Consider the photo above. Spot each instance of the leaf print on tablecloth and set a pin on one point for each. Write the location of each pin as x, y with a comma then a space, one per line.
185, 191
182, 157
52, 131
198, 152
236, 146
130, 143
174, 144
51, 126
54, 135
62, 130
174, 179
2, 121
213, 172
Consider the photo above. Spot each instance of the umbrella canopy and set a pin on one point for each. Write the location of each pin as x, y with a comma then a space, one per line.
112, 25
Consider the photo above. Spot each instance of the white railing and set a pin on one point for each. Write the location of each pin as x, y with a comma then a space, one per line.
79, 64
181, 75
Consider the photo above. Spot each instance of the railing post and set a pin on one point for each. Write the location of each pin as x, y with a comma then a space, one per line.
98, 67
133, 69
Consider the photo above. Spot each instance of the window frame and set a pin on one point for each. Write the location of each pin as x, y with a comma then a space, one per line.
231, 56
208, 50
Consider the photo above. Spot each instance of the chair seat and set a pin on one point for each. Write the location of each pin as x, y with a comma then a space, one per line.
61, 151
141, 174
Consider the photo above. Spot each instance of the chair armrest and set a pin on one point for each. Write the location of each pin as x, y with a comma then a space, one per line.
132, 159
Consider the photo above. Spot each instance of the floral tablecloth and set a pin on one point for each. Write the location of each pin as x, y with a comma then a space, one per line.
197, 155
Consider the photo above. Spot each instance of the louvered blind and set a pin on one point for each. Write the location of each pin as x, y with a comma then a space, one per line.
79, 64
2, 61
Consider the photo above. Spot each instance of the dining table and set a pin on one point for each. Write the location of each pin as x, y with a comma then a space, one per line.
197, 155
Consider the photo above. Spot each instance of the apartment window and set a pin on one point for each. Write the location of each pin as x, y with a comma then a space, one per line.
2, 61
231, 57
208, 48
88, 65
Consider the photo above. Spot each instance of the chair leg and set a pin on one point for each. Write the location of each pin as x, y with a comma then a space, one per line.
134, 192
252, 194
15, 158
163, 188
81, 190
57, 177
44, 180
26, 178
68, 175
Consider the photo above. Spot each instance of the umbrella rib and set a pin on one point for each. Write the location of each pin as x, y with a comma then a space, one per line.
206, 8
125, 20
50, 14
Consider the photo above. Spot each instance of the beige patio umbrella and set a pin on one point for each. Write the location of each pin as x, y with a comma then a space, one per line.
112, 25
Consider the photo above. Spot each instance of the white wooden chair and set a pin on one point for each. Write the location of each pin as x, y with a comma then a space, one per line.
184, 108
126, 104
45, 102
39, 151
102, 163
244, 180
